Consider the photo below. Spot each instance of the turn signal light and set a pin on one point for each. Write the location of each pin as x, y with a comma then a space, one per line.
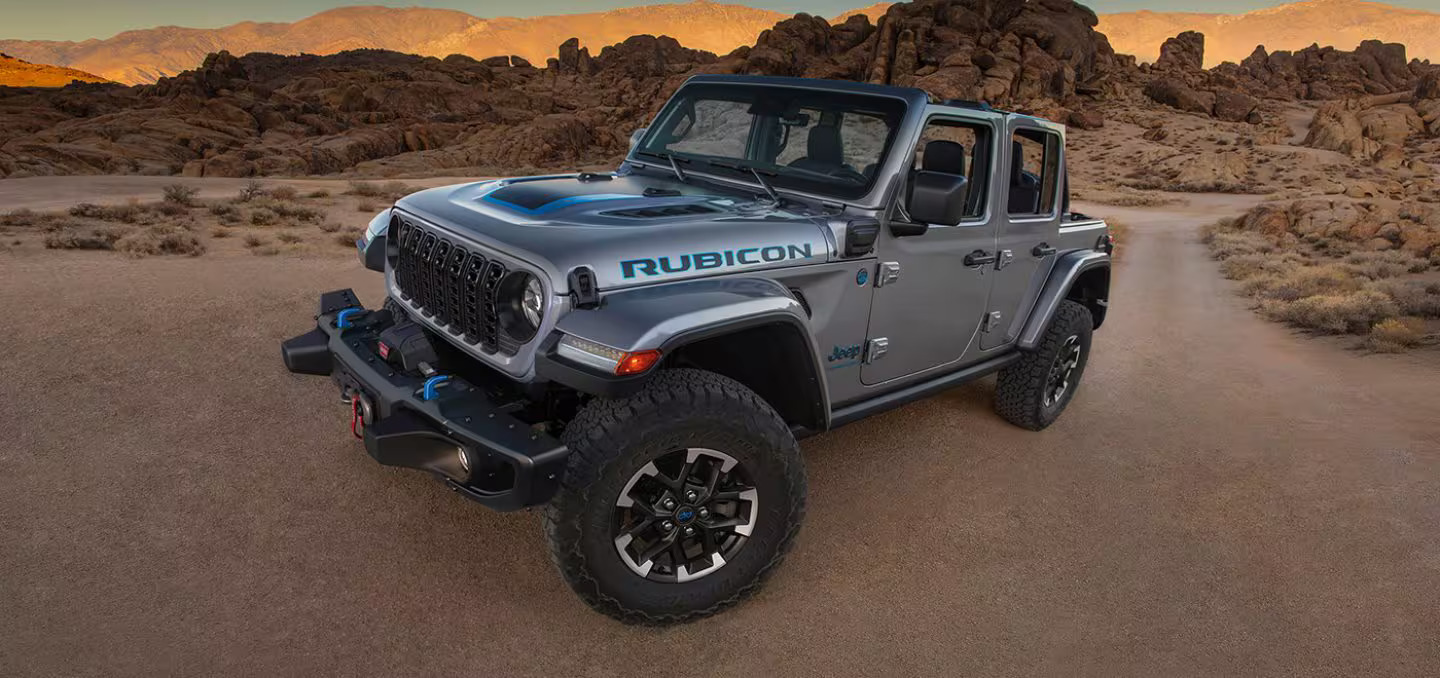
637, 362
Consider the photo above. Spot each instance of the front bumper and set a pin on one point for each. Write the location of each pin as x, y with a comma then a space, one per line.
508, 464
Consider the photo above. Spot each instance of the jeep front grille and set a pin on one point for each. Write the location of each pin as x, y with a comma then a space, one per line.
450, 285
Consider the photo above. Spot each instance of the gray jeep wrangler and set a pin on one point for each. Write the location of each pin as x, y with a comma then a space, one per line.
639, 351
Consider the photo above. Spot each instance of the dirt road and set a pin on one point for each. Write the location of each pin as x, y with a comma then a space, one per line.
1222, 498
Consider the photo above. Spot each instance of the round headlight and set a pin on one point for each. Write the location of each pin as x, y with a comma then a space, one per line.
521, 305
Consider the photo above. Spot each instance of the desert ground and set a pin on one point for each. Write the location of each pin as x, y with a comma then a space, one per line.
1226, 496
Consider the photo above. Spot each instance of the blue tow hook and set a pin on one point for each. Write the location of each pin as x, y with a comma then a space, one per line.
342, 319
428, 392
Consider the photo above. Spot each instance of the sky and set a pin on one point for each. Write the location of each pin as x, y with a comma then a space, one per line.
81, 19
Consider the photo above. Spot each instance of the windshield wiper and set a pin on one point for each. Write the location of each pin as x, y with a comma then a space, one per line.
755, 172
674, 163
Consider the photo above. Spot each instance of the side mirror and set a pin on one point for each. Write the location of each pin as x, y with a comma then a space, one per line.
937, 197
636, 136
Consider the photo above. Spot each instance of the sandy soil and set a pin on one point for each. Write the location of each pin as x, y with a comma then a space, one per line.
1222, 498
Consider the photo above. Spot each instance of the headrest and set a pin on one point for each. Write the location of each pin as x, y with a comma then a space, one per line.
1017, 161
943, 156
823, 145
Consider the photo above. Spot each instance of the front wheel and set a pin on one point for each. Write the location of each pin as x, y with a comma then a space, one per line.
1033, 391
677, 501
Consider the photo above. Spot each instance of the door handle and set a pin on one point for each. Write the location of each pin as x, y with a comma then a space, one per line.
1043, 250
980, 258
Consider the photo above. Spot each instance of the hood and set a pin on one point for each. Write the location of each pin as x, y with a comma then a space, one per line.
631, 229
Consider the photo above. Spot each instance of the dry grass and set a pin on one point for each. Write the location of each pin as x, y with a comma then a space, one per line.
1345, 313
348, 236
180, 194
284, 193
1326, 286
164, 239
390, 190
1395, 335
252, 240
72, 237
289, 238
263, 216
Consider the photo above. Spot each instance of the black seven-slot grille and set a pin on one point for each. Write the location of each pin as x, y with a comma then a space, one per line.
452, 285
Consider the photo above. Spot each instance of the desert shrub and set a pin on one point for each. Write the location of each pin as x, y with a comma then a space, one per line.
251, 190
1395, 335
390, 190
296, 212
154, 240
221, 209
395, 190
252, 240
284, 193
266, 250
1305, 281
20, 217
221, 232
1414, 297
330, 227
364, 189
367, 207
180, 194
263, 216
1345, 313
1225, 244
322, 193
348, 237
289, 238
171, 209
69, 237
1385, 264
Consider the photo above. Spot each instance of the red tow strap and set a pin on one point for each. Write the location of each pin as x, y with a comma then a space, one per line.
356, 423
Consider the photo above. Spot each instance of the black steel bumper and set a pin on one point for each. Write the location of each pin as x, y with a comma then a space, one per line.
507, 464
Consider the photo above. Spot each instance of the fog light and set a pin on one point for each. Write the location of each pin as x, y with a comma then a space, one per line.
464, 459
606, 358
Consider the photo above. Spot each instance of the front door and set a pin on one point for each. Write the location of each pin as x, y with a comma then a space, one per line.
928, 303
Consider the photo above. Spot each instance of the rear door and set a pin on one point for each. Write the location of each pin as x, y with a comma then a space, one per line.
928, 304
1033, 165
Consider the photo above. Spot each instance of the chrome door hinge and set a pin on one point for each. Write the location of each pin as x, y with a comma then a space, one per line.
889, 273
992, 321
1005, 258
876, 349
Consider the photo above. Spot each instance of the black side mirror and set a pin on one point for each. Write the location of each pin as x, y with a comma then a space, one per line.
937, 197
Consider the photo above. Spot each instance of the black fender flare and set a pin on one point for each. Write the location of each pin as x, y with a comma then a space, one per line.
673, 316
1068, 269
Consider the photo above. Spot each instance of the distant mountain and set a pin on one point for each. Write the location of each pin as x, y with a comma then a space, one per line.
143, 56
20, 73
1232, 37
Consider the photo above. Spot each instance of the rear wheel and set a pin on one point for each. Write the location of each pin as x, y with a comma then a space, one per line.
677, 501
1033, 391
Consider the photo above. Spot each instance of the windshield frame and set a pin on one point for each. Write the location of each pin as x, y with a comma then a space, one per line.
897, 110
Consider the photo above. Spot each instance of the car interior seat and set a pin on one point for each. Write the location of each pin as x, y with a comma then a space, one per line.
1024, 186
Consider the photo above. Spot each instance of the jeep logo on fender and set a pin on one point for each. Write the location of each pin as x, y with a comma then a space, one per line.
700, 261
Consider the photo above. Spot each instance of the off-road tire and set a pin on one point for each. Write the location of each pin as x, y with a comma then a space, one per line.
1020, 391
610, 440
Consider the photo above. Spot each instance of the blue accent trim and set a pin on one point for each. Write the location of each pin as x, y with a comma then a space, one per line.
428, 392
557, 204
862, 276
342, 319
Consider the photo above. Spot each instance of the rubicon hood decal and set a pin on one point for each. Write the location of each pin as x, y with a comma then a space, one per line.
700, 261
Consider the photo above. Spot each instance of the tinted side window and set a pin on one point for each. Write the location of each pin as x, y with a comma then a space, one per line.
1034, 172
975, 142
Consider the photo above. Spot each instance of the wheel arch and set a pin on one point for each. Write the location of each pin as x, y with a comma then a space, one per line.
750, 329
1082, 276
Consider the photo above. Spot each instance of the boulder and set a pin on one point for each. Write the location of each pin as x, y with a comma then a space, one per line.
1175, 93
1184, 52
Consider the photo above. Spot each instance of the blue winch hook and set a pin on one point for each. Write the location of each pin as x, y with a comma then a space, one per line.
428, 392
342, 319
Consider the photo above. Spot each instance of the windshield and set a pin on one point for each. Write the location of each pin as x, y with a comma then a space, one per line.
826, 143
